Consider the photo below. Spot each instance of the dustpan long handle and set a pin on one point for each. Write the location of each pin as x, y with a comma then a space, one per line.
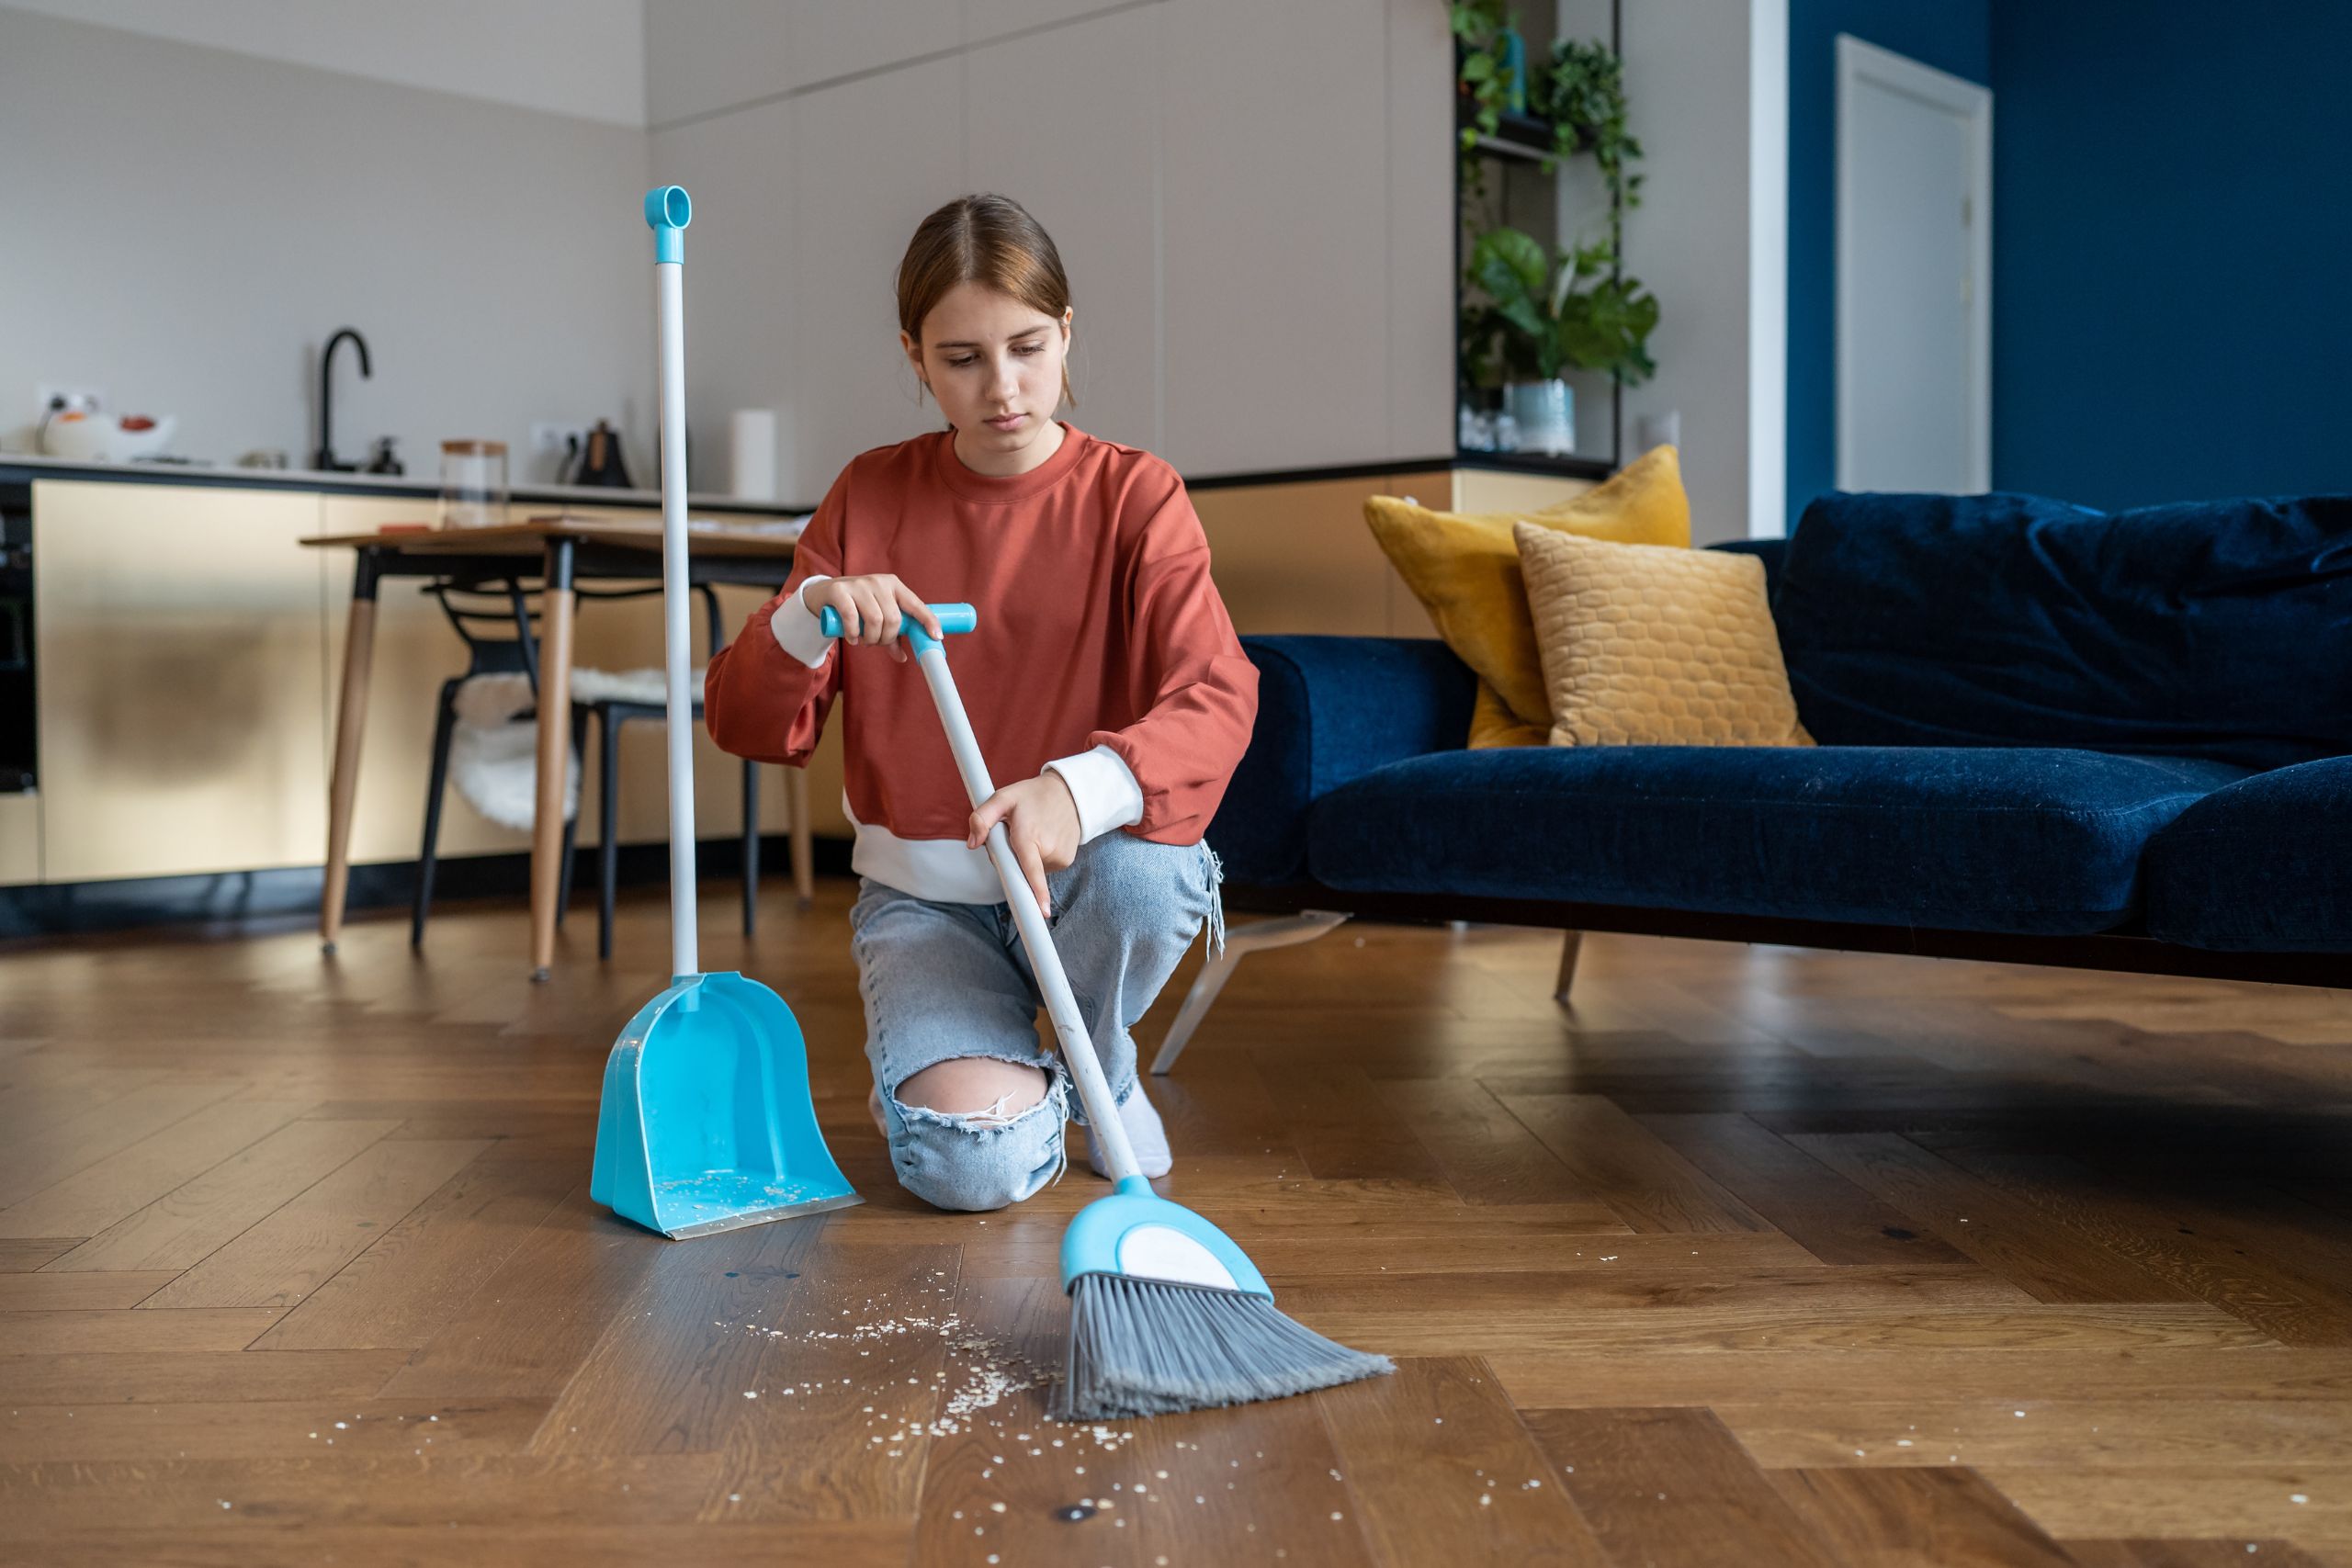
1103, 1125
667, 211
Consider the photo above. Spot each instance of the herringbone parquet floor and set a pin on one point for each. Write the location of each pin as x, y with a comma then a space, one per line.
1753, 1257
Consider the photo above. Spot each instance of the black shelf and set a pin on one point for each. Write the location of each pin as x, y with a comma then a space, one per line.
1517, 136
1572, 468
1519, 142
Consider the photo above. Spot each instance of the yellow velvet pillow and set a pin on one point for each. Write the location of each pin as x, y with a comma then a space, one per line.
1465, 570
1649, 646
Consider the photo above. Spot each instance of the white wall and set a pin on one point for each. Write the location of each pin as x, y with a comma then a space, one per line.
1706, 87
1253, 203
206, 219
575, 57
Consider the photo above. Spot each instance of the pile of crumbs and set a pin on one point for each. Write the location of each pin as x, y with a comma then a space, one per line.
971, 1392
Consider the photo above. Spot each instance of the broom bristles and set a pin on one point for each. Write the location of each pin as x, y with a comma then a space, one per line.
1149, 1347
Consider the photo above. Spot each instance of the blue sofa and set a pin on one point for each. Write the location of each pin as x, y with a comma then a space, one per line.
2048, 735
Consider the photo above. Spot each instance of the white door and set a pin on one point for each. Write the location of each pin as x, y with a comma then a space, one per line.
1915, 310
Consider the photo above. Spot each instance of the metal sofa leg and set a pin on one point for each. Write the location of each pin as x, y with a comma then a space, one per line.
1239, 940
1571, 946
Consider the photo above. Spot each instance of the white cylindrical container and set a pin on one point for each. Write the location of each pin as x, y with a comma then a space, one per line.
753, 456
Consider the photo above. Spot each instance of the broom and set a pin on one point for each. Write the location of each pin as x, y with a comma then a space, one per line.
1165, 1313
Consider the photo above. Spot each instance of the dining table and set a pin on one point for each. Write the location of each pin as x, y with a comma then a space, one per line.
558, 551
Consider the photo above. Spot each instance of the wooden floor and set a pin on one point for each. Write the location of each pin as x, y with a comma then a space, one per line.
1756, 1256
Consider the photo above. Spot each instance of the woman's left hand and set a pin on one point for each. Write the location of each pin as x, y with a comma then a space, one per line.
1040, 817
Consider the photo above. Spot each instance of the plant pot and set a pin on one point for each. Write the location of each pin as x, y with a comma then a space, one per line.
1546, 414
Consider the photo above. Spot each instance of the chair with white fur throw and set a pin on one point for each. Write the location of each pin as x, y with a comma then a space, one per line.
485, 737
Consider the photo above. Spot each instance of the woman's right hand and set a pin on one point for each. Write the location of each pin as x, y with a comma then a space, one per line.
872, 609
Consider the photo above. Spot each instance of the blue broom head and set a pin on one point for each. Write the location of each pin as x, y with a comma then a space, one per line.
1168, 1314
707, 1122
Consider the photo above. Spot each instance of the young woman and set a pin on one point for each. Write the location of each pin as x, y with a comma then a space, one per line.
1105, 680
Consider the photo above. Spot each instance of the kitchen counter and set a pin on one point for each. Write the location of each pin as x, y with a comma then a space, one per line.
21, 468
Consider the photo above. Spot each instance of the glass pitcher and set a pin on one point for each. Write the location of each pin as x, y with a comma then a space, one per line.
473, 484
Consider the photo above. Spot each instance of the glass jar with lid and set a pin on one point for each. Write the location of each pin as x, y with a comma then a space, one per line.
473, 484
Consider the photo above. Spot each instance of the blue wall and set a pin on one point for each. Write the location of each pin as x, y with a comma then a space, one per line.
2170, 238
1951, 35
2171, 235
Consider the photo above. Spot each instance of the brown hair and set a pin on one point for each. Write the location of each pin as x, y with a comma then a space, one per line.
988, 240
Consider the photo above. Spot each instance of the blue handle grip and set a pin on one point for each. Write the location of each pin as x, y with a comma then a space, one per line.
667, 212
952, 618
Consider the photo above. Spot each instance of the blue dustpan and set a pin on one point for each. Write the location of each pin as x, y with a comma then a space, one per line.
707, 1124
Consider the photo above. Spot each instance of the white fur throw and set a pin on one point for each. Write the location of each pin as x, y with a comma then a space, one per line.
494, 753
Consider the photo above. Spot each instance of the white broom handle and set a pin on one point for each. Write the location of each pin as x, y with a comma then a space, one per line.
677, 640
1110, 1134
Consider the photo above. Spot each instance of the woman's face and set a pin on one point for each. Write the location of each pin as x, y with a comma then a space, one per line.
994, 364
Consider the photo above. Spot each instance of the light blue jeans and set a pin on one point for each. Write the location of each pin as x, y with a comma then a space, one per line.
945, 980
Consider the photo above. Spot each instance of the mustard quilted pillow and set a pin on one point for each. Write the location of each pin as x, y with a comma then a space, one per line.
1649, 646
1465, 570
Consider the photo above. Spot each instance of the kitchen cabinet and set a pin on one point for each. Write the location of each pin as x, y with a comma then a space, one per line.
189, 655
19, 839
182, 691
1296, 556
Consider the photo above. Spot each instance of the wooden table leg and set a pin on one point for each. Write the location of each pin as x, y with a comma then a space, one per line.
803, 856
555, 753
350, 725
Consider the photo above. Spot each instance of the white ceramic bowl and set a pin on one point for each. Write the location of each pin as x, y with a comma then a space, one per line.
101, 438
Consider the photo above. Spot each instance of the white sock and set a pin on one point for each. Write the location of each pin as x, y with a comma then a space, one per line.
1146, 1134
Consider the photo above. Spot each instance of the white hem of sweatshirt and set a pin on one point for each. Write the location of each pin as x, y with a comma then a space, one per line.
945, 870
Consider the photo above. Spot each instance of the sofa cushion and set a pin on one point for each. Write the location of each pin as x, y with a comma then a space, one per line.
1957, 837
2262, 866
2210, 630
1463, 568
1645, 647
1329, 709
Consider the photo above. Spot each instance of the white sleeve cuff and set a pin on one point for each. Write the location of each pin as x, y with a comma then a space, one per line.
1105, 789
797, 632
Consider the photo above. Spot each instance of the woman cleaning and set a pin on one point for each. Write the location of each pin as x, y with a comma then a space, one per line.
1109, 683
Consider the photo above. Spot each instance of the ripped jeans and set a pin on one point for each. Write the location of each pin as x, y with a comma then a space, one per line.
943, 980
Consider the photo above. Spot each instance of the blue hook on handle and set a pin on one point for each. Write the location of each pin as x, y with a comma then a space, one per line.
668, 210
952, 618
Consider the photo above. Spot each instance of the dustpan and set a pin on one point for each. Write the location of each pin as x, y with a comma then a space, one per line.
707, 1122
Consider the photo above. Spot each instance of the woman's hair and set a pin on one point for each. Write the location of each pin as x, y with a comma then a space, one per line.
988, 240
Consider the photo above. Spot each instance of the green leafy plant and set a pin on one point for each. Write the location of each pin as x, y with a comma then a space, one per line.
1545, 312
1582, 93
1478, 26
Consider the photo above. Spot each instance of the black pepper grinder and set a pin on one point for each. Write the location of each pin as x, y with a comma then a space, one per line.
383, 459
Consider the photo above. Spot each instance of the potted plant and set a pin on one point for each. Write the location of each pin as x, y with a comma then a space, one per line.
1490, 60
1538, 312
1582, 93
1529, 314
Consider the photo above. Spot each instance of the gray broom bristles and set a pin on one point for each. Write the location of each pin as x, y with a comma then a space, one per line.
1147, 1347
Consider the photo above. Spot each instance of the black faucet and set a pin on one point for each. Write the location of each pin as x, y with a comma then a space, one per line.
324, 460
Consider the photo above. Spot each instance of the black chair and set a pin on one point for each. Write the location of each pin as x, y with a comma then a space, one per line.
497, 619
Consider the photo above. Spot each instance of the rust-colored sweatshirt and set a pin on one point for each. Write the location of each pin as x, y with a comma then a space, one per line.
1103, 652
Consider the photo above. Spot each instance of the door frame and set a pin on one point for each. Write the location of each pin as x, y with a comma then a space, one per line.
1859, 62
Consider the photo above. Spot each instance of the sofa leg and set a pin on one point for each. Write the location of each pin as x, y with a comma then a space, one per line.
1571, 945
1239, 940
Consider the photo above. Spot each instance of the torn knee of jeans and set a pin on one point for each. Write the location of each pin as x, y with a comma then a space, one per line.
990, 1118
